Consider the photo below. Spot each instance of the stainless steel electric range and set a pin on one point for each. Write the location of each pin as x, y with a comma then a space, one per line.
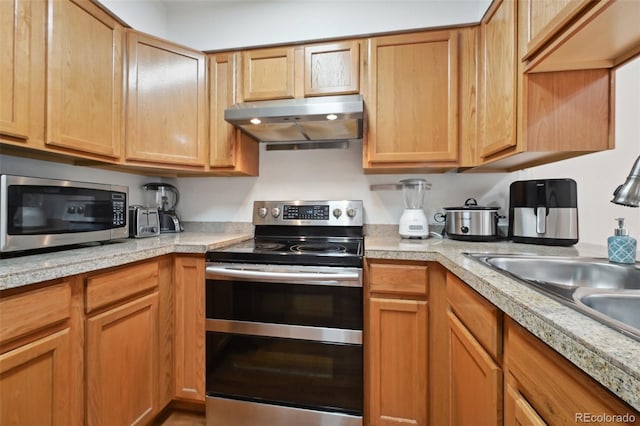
284, 319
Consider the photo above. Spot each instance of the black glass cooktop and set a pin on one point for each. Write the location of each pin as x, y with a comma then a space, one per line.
324, 251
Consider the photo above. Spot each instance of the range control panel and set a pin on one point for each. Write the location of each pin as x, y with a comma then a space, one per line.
327, 213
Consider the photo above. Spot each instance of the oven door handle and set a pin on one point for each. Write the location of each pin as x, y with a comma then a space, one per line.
338, 278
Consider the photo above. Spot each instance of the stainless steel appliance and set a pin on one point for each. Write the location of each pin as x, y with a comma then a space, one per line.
318, 122
38, 213
544, 212
143, 222
165, 198
471, 222
284, 319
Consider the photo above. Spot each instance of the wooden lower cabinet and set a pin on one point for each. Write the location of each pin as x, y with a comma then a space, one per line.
475, 379
35, 382
122, 346
542, 383
189, 293
396, 347
124, 382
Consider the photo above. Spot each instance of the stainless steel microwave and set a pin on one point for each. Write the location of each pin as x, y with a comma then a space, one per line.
38, 213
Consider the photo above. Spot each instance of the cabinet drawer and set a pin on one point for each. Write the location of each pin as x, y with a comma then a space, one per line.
411, 279
25, 313
480, 317
109, 287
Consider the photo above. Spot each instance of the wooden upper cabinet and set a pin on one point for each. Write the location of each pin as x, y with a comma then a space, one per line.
498, 104
547, 17
332, 69
268, 74
412, 99
581, 34
166, 102
15, 44
230, 151
84, 79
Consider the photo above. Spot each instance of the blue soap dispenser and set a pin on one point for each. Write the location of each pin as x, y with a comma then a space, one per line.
622, 247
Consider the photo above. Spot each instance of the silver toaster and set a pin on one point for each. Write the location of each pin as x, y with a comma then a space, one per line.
143, 222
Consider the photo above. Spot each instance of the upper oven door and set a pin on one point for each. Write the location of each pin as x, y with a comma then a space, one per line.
320, 297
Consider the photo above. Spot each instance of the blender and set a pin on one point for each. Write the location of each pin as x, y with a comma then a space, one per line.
413, 222
165, 198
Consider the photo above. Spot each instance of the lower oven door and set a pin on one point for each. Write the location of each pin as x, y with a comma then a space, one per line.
285, 347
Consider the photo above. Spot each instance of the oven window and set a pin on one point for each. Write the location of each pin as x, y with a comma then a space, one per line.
296, 304
303, 374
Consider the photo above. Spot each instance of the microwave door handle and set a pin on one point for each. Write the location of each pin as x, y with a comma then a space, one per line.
326, 278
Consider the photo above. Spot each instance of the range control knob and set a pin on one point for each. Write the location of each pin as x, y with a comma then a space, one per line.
351, 212
337, 213
262, 212
275, 212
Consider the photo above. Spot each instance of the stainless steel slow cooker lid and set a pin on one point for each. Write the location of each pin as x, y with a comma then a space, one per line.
471, 204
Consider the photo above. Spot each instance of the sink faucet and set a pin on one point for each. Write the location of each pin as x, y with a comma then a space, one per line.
628, 194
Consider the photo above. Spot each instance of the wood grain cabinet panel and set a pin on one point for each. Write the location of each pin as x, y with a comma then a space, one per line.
166, 102
189, 293
476, 380
121, 364
518, 411
15, 30
84, 79
332, 69
412, 100
555, 389
231, 152
398, 357
268, 74
35, 382
498, 40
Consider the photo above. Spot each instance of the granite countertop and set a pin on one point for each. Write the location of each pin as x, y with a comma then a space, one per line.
608, 356
20, 271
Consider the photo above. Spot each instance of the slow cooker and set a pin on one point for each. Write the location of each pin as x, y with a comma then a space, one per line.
471, 222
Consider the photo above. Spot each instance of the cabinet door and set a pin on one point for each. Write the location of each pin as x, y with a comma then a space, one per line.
475, 379
84, 79
15, 19
121, 364
545, 18
268, 74
498, 79
557, 390
518, 412
189, 327
332, 69
397, 354
412, 103
35, 382
230, 151
166, 102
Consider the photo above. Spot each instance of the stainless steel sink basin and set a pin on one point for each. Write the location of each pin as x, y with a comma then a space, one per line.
605, 291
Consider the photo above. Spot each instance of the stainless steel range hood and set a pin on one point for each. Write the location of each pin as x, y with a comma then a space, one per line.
328, 118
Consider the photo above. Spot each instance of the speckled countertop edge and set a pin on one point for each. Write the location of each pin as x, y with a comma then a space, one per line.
605, 354
21, 271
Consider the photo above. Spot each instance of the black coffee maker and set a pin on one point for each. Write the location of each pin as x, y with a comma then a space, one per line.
164, 197
544, 211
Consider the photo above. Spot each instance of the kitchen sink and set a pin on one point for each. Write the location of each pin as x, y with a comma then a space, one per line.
608, 292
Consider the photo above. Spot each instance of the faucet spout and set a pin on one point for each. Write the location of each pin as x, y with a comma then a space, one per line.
628, 194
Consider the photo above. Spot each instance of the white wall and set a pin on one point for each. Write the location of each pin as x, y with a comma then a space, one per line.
214, 25
143, 15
